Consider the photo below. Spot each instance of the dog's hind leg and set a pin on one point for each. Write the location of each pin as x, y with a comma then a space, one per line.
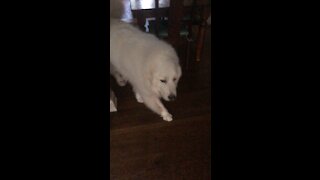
122, 81
156, 105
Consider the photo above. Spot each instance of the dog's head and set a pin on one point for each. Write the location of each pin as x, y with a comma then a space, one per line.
165, 76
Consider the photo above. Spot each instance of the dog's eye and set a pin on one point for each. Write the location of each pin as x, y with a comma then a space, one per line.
174, 79
163, 81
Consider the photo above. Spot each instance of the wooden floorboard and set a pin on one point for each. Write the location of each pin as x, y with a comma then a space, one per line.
178, 150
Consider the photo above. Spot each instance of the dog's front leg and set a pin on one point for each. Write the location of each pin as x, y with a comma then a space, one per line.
156, 105
138, 96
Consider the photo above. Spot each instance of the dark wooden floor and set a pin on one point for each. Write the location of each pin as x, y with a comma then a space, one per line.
143, 146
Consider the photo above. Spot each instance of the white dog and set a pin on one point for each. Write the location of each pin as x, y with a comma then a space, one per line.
150, 65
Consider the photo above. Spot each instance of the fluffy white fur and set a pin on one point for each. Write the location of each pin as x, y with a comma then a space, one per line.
150, 65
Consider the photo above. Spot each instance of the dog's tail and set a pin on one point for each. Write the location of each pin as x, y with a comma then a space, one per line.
116, 9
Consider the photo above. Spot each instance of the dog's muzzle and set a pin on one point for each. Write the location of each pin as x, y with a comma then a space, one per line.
172, 97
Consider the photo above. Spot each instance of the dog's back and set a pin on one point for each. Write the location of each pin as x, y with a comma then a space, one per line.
127, 50
124, 36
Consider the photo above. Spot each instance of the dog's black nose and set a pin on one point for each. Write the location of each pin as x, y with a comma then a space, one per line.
172, 97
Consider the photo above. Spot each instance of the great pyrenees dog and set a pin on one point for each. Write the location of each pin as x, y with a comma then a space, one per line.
150, 65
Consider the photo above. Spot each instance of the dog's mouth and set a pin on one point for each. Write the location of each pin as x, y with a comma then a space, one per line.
162, 96
169, 98
172, 97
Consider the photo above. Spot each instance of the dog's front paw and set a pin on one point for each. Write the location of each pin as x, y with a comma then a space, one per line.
139, 98
167, 116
